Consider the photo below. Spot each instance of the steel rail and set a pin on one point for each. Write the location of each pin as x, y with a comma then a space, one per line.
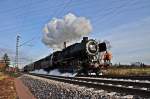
118, 81
147, 77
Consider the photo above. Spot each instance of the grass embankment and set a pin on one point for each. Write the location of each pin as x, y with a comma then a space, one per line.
13, 74
135, 71
7, 87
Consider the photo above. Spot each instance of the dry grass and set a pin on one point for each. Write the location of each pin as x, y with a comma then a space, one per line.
128, 71
2, 76
7, 87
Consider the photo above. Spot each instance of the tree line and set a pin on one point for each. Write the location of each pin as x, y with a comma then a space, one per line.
5, 62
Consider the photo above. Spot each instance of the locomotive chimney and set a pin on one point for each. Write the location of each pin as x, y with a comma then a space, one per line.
64, 44
85, 39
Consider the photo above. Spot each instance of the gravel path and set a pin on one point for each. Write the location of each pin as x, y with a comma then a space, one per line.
49, 89
22, 91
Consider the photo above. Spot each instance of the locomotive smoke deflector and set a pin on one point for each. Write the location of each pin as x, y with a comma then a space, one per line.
102, 47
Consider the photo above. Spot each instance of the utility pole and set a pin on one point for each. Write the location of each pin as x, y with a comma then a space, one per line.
17, 46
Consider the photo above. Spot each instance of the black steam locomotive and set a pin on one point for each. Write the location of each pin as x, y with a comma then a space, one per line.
81, 58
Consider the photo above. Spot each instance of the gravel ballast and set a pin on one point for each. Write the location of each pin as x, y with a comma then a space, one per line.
43, 88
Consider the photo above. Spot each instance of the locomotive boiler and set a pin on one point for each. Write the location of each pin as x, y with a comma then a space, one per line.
81, 58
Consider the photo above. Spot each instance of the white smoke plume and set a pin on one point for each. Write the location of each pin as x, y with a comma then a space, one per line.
41, 71
56, 72
69, 28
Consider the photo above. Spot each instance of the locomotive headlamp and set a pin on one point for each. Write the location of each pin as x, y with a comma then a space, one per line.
92, 47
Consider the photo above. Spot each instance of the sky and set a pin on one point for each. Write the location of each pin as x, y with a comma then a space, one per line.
125, 23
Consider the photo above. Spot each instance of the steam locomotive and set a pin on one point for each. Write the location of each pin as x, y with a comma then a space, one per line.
81, 58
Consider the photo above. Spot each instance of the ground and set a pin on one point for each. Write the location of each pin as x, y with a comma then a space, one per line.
128, 71
7, 87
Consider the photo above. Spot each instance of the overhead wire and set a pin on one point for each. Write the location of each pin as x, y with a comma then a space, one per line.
110, 11
14, 26
38, 15
63, 9
20, 7
35, 10
116, 11
26, 42
30, 28
41, 15
34, 25
117, 15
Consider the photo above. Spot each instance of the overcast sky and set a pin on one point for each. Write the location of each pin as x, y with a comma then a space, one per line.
125, 23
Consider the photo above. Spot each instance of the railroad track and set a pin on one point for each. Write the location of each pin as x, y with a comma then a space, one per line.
119, 77
131, 87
